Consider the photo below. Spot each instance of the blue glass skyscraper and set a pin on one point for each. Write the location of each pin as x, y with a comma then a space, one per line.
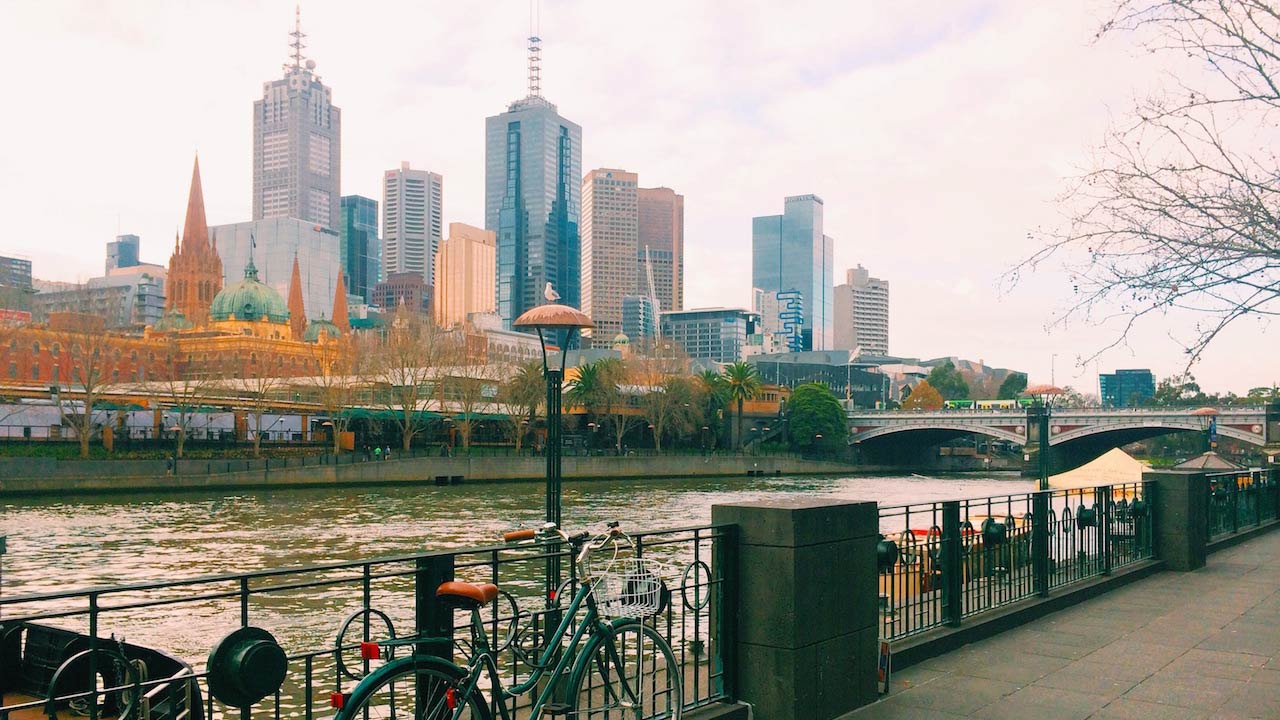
533, 176
790, 253
359, 251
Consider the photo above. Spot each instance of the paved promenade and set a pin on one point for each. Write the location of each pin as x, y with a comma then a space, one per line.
1204, 644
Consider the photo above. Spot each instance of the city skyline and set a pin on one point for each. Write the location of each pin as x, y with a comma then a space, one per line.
937, 194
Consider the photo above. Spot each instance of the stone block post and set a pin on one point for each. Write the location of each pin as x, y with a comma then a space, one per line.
1181, 512
805, 639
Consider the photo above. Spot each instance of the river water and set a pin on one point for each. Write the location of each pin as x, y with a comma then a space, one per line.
64, 544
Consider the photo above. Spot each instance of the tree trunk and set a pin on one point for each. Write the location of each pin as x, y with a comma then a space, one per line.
737, 429
182, 441
84, 445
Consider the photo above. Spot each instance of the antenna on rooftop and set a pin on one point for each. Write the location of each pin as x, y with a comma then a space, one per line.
535, 49
297, 36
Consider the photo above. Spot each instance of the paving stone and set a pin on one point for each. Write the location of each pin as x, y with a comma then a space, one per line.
1188, 691
1105, 681
956, 694
1043, 703
1019, 668
1126, 709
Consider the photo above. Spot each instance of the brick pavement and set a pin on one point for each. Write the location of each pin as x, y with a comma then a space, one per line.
1204, 644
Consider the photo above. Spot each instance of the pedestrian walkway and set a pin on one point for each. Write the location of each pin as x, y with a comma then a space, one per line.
1204, 644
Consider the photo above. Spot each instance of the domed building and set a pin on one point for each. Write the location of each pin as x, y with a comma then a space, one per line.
250, 307
321, 331
173, 320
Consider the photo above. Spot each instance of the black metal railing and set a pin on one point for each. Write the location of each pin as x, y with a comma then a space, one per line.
1241, 499
942, 562
321, 614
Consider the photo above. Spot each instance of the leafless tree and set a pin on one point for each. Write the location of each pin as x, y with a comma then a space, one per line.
341, 361
521, 397
1181, 211
179, 392
87, 357
405, 365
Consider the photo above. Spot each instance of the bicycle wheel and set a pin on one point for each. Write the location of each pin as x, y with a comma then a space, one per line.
413, 688
629, 673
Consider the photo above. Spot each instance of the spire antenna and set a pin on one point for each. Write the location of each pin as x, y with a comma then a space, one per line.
297, 36
535, 50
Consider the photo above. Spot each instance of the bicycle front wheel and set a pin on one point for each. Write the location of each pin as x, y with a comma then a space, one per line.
628, 673
413, 688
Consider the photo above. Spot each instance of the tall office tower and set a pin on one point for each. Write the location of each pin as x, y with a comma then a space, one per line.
533, 163
297, 153
359, 249
195, 269
123, 252
609, 241
790, 252
1126, 388
662, 235
465, 269
861, 313
412, 221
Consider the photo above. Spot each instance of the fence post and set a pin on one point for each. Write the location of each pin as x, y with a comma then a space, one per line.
1040, 542
1181, 517
1102, 504
431, 618
1233, 494
952, 564
806, 630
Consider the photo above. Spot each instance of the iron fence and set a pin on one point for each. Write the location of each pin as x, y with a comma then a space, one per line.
1241, 499
321, 614
942, 562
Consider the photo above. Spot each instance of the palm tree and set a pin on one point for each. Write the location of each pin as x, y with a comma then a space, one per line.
717, 396
587, 390
743, 383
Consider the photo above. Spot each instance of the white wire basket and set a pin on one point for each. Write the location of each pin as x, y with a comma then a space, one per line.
629, 588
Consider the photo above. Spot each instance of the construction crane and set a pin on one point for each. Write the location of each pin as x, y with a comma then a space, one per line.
653, 294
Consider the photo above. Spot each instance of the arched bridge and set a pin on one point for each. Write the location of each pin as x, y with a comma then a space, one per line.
1075, 436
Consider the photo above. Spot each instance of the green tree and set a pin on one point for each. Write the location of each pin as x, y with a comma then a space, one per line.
1012, 387
522, 395
587, 390
1178, 391
715, 399
815, 419
742, 383
923, 397
948, 382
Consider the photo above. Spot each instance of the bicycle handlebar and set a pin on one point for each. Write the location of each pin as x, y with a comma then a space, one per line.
518, 535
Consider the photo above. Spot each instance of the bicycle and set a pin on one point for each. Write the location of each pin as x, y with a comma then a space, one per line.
617, 665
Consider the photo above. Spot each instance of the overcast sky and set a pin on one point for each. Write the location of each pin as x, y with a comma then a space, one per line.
938, 134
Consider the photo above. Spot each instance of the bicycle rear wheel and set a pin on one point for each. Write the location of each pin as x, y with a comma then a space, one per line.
413, 688
630, 673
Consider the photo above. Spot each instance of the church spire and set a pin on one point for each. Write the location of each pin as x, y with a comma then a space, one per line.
195, 231
340, 306
297, 313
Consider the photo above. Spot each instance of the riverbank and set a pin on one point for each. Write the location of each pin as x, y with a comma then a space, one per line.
47, 476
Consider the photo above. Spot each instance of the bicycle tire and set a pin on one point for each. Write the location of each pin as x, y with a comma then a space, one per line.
388, 692
599, 688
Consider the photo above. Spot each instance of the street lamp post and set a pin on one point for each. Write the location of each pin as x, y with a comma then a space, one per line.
553, 319
1044, 395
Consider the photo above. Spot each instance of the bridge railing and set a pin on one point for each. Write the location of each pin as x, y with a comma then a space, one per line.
942, 562
1241, 499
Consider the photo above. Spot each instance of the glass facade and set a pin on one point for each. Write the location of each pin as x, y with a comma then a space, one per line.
790, 253
123, 252
638, 318
533, 167
714, 334
359, 246
1127, 388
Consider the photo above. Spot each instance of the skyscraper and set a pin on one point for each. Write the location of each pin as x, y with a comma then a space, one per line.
861, 313
412, 221
661, 234
610, 237
533, 164
359, 249
297, 134
464, 274
790, 252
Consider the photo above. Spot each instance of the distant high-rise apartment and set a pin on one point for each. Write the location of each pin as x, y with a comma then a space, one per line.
123, 252
15, 272
639, 319
610, 237
465, 267
297, 135
533, 165
861, 313
660, 245
359, 248
412, 221
717, 335
789, 252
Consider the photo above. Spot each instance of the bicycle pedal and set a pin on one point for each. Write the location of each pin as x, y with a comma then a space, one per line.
556, 710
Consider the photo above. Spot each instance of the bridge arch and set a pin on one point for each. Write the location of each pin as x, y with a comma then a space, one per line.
955, 427
1169, 425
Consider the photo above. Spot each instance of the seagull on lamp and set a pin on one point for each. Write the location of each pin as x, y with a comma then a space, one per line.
550, 293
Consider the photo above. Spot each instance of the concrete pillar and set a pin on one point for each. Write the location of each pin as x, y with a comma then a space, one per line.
806, 631
1181, 511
